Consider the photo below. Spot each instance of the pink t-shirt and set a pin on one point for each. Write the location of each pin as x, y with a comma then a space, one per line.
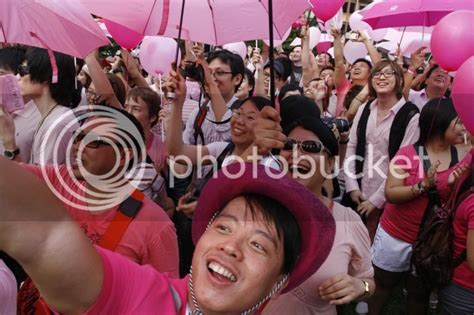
149, 239
402, 221
155, 148
341, 92
350, 254
463, 221
132, 289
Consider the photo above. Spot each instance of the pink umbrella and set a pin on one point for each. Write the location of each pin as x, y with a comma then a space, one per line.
59, 25
214, 22
394, 13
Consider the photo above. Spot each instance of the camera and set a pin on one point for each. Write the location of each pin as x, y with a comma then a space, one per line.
342, 125
194, 72
354, 36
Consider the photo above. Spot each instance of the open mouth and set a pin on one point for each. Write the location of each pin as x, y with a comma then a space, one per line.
299, 169
382, 84
220, 272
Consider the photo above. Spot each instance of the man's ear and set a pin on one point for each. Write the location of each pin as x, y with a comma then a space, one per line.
237, 80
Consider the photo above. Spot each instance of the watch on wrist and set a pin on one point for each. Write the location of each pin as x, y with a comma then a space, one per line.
11, 154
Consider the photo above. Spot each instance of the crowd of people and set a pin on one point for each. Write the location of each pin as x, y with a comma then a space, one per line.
124, 194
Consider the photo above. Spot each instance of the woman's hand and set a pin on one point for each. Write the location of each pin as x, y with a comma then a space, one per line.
430, 180
457, 173
7, 130
341, 289
185, 206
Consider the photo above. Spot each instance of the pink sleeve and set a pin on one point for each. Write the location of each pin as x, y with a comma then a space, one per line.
412, 133
128, 288
361, 262
349, 166
162, 251
8, 290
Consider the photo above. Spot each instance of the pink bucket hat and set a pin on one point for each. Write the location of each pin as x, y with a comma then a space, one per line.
316, 223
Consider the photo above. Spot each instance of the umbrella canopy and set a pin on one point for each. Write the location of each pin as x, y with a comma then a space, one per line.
215, 22
64, 26
394, 13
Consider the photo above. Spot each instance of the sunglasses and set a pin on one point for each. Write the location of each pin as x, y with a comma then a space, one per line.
308, 146
93, 141
23, 70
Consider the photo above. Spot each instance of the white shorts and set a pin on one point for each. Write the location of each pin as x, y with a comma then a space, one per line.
389, 253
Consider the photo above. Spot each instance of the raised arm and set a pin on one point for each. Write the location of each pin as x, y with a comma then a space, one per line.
218, 104
339, 69
305, 57
103, 88
416, 60
373, 53
133, 70
174, 137
38, 233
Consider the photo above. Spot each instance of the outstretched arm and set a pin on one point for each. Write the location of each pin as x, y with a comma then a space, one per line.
39, 234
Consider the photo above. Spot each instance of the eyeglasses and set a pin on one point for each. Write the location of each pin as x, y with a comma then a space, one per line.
246, 117
220, 73
93, 141
308, 146
387, 74
23, 70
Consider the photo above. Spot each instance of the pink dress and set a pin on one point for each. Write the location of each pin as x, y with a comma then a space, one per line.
350, 254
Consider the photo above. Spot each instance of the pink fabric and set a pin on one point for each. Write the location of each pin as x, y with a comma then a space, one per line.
149, 239
156, 150
464, 221
8, 290
341, 92
132, 289
402, 221
373, 182
350, 254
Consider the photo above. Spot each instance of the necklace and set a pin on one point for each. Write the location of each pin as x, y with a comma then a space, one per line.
198, 311
40, 124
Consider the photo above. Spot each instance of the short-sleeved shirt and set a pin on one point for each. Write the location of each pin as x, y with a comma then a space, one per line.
149, 239
402, 221
350, 254
52, 138
8, 290
463, 222
211, 131
26, 121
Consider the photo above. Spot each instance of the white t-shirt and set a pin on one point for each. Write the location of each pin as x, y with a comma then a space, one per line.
52, 138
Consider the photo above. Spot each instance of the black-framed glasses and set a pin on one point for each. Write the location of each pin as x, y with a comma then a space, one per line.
92, 140
220, 73
308, 146
387, 74
23, 70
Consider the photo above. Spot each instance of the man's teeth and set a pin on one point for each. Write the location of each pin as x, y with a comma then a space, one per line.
215, 267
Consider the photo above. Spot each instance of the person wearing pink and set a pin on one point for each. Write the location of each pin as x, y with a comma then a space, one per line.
365, 183
8, 290
253, 240
406, 191
458, 296
347, 273
95, 190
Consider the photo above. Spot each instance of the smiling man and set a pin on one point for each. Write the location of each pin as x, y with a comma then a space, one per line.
253, 238
437, 83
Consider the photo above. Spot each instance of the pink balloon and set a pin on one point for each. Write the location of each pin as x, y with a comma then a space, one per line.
157, 54
452, 40
125, 37
326, 9
463, 93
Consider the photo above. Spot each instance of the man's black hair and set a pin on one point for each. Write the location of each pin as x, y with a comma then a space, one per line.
41, 72
11, 58
234, 61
